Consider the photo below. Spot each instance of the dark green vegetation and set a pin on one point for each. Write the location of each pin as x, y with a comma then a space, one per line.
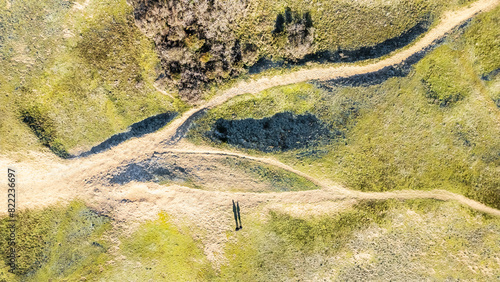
202, 42
437, 128
375, 240
72, 76
54, 243
281, 132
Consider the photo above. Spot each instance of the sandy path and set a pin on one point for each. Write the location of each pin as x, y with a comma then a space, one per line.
43, 180
208, 212
151, 142
49, 180
63, 183
334, 192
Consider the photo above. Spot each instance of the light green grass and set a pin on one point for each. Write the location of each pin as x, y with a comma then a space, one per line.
337, 24
88, 73
54, 243
279, 179
67, 244
406, 133
157, 251
411, 240
390, 239
483, 37
229, 174
443, 76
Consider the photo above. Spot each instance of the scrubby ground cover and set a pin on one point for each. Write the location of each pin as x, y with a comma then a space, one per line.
158, 251
210, 41
72, 243
54, 243
437, 128
389, 240
74, 73
384, 240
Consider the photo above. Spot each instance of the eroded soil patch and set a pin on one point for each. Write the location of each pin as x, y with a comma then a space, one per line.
211, 172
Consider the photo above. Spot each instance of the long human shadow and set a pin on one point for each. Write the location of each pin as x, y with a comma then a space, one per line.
138, 129
341, 55
237, 217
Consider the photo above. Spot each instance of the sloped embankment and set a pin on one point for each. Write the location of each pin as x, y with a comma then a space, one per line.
138, 129
211, 172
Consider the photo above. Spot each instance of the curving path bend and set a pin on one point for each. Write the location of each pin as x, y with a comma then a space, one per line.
152, 142
46, 180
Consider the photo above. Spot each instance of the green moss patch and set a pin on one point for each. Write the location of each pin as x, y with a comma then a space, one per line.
443, 76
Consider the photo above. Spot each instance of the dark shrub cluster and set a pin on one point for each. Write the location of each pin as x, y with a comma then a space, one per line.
198, 42
298, 30
195, 40
281, 132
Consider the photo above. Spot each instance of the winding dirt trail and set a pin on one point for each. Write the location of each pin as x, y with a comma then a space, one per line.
45, 180
331, 191
151, 142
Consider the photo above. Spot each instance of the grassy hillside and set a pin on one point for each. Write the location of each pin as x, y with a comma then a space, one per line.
73, 73
389, 240
398, 240
437, 128
71, 243
158, 251
336, 24
54, 243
